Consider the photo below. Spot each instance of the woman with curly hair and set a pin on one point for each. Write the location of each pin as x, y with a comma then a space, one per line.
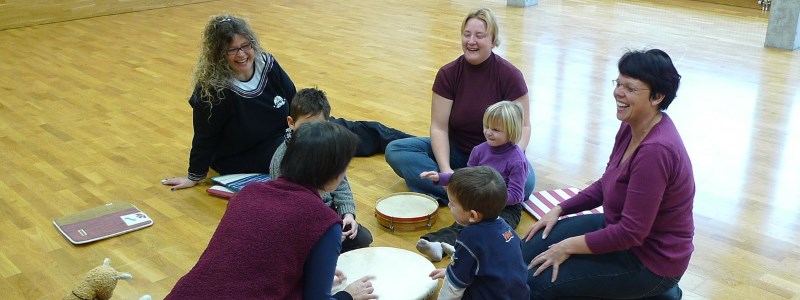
240, 104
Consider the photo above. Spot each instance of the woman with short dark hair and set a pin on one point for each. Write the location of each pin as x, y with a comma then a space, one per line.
641, 245
277, 239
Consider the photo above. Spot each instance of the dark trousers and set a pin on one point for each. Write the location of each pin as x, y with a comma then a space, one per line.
511, 214
363, 239
615, 275
372, 136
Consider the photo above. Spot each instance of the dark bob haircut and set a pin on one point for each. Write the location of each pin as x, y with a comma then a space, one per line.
653, 67
481, 189
318, 153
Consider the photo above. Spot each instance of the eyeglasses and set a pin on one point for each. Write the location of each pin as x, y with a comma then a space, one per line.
627, 88
244, 48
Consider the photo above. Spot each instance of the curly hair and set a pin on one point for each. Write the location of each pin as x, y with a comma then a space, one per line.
212, 72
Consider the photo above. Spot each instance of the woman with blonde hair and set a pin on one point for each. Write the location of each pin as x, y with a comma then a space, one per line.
462, 90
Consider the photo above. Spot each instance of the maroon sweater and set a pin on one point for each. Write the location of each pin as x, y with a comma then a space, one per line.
261, 244
473, 88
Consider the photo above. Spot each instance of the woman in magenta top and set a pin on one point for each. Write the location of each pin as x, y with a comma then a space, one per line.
641, 245
462, 91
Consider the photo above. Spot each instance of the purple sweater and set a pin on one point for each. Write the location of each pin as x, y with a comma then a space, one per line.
508, 160
647, 201
472, 89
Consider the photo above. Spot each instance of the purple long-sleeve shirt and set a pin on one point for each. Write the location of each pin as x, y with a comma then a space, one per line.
508, 159
647, 201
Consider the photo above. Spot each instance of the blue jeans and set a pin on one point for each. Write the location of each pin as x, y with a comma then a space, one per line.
411, 156
616, 275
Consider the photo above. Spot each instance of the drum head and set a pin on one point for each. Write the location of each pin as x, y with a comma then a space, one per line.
399, 274
406, 206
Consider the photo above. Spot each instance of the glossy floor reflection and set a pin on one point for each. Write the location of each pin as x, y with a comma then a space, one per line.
94, 110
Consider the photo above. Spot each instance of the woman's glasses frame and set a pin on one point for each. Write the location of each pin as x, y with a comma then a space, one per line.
628, 89
234, 51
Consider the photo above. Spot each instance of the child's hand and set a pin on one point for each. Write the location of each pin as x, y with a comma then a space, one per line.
338, 277
349, 227
438, 273
432, 175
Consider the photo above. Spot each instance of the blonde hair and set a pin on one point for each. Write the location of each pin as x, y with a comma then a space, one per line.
212, 72
487, 16
507, 115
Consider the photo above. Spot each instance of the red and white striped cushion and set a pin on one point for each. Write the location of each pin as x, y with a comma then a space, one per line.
543, 201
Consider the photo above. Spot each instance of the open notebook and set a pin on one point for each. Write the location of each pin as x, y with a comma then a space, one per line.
543, 201
228, 185
236, 182
102, 222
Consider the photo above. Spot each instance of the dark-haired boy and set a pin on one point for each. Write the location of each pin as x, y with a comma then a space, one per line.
487, 263
311, 104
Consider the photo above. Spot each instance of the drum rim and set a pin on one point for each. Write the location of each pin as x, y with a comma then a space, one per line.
409, 220
398, 220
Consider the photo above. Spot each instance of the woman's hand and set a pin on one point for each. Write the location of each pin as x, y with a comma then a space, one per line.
554, 256
438, 273
431, 175
361, 289
352, 230
178, 183
547, 223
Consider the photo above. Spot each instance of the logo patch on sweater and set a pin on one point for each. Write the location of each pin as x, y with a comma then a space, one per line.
279, 101
508, 235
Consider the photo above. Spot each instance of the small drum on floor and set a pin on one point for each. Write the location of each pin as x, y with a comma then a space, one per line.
399, 274
406, 211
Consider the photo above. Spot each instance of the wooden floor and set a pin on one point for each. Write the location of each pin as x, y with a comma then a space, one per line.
94, 110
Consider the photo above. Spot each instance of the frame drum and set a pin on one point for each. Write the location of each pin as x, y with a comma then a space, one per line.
406, 211
399, 274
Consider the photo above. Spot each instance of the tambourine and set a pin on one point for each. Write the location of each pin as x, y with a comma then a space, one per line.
406, 211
